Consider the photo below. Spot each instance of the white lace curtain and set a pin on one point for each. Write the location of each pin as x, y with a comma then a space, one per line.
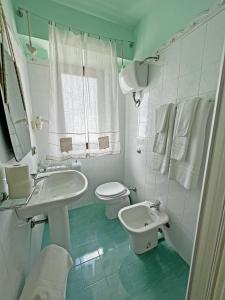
83, 107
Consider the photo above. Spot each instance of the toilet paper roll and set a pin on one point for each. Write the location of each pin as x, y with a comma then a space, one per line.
19, 181
22, 189
2, 172
16, 173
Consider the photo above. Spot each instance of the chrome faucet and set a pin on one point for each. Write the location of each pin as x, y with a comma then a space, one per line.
155, 205
36, 179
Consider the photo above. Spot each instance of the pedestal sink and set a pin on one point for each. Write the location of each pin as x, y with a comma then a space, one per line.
51, 197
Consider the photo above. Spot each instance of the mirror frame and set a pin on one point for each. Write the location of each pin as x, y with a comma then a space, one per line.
6, 45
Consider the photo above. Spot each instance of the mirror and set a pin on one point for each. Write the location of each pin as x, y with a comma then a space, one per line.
14, 106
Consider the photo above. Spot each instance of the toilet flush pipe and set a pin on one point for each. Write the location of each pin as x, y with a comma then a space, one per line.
132, 189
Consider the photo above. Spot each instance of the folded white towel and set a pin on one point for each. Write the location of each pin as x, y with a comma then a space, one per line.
161, 128
161, 162
187, 172
48, 277
182, 130
161, 117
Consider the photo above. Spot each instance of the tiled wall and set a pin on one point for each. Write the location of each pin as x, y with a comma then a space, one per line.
187, 68
98, 170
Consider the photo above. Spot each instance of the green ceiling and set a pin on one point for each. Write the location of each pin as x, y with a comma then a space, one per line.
62, 13
167, 18
126, 13
148, 23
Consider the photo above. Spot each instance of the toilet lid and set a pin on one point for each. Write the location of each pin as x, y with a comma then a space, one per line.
110, 189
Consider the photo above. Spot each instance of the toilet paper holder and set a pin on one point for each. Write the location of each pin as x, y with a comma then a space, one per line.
3, 196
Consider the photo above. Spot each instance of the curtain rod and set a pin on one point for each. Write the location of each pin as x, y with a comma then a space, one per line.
20, 13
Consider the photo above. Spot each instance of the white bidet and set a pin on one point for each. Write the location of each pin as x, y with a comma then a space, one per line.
142, 223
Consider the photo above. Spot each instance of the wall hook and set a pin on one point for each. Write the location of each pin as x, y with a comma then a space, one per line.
137, 101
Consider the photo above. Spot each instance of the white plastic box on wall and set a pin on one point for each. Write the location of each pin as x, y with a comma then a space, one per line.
134, 77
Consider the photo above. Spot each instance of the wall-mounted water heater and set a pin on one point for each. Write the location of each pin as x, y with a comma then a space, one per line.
134, 78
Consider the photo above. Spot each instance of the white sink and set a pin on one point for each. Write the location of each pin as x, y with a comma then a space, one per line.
51, 197
57, 190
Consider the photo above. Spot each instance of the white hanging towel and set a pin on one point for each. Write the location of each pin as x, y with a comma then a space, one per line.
48, 277
182, 130
161, 128
187, 172
161, 162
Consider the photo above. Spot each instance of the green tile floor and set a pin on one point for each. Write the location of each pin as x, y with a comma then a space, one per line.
106, 269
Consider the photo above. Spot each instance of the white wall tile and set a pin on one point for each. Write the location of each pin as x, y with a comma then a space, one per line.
172, 61
5, 288
176, 199
190, 214
188, 68
39, 76
215, 38
209, 77
189, 84
170, 90
192, 47
161, 188
156, 75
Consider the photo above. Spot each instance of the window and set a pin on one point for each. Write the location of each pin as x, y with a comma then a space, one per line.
84, 102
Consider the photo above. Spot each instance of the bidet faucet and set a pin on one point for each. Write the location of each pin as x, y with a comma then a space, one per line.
155, 205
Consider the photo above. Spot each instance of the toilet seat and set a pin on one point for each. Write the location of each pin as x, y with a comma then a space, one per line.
111, 190
112, 199
115, 196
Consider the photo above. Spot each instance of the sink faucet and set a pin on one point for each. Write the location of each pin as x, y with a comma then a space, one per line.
36, 179
155, 205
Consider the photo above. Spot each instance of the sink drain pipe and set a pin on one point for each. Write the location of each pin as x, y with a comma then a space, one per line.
34, 222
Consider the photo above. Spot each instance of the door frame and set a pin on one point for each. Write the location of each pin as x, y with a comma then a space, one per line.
207, 272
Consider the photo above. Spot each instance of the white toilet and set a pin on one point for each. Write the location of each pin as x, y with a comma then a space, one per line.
142, 223
115, 196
